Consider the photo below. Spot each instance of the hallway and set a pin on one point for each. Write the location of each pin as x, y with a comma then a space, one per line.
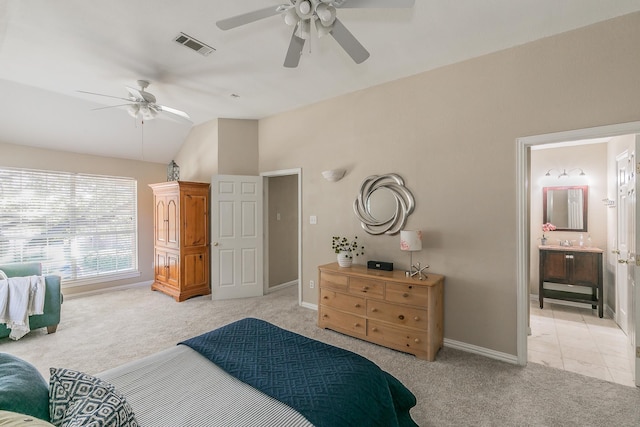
576, 339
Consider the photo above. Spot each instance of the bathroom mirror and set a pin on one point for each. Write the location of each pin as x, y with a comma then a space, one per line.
383, 204
565, 207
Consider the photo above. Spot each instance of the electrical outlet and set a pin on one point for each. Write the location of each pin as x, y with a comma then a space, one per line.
313, 219
312, 284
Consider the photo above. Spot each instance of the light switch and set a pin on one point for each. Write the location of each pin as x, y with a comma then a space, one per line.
313, 219
278, 216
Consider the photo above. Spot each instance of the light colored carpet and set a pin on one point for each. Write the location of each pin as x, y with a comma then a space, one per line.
99, 332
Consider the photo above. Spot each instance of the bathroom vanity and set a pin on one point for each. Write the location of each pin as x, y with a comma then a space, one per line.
574, 267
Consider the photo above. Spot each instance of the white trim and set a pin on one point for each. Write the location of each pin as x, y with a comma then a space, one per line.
100, 279
110, 289
309, 306
522, 212
482, 351
285, 172
281, 286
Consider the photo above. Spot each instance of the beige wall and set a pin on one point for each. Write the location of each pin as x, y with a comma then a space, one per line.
451, 134
219, 146
283, 229
593, 160
144, 172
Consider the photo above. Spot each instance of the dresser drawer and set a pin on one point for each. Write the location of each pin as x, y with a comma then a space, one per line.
344, 302
336, 281
401, 339
397, 314
340, 321
407, 294
366, 287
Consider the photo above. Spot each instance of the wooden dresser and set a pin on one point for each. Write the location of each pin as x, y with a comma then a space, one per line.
181, 233
383, 307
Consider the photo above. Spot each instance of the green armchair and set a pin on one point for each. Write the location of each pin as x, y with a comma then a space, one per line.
52, 302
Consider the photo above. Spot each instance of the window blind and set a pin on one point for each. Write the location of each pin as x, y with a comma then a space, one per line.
79, 226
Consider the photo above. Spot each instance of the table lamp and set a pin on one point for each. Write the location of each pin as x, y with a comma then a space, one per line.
411, 240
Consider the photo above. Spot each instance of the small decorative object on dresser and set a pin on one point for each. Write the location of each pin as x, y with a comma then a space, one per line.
346, 250
383, 307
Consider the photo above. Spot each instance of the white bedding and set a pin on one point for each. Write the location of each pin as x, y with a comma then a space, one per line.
179, 387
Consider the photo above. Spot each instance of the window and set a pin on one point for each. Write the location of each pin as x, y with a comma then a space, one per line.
82, 227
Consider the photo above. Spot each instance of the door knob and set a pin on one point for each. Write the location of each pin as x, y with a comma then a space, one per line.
215, 243
623, 261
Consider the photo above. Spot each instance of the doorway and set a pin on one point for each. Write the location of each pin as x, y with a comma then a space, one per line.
283, 230
524, 220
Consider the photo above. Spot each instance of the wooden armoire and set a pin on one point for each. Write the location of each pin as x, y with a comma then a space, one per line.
181, 234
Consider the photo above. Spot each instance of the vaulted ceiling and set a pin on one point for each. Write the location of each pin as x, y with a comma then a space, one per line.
51, 50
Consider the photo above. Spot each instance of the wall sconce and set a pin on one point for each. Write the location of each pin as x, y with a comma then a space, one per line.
564, 173
334, 175
412, 241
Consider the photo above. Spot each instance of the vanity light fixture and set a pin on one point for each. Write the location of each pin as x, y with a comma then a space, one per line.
565, 174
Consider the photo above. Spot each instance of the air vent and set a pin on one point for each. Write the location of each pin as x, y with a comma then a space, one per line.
194, 44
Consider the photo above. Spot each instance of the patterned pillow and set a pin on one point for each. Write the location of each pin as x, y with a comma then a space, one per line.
77, 399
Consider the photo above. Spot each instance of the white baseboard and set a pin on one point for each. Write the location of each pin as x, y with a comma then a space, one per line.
492, 354
105, 290
281, 286
309, 306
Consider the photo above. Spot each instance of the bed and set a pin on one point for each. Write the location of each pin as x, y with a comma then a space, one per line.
278, 377
247, 373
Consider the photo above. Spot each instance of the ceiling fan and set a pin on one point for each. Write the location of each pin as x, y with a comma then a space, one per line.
141, 103
300, 13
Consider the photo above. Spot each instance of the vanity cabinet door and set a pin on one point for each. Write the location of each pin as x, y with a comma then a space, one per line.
585, 269
555, 267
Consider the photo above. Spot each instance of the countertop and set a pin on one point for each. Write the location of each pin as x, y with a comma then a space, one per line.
569, 248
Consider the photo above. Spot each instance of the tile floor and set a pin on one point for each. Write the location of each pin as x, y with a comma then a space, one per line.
576, 339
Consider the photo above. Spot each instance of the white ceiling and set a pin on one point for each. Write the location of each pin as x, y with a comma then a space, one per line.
49, 50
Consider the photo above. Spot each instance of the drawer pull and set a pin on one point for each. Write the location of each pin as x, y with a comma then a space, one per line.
416, 318
325, 297
417, 340
410, 286
356, 325
357, 305
405, 295
401, 317
373, 310
325, 316
374, 329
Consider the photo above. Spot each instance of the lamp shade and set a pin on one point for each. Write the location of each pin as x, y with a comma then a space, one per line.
411, 240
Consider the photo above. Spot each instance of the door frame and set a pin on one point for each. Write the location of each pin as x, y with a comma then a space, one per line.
523, 153
265, 212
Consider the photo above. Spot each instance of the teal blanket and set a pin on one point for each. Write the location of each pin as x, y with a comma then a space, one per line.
328, 385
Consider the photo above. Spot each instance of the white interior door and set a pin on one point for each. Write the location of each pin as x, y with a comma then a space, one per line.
634, 274
624, 168
236, 236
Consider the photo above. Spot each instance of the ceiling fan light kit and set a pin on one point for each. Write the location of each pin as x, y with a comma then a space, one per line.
299, 14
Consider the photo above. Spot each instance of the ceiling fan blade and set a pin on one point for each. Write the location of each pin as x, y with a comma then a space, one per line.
379, 4
107, 96
247, 18
111, 106
295, 50
184, 117
349, 43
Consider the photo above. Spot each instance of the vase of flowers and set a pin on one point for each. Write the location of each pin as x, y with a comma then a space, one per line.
546, 227
346, 249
